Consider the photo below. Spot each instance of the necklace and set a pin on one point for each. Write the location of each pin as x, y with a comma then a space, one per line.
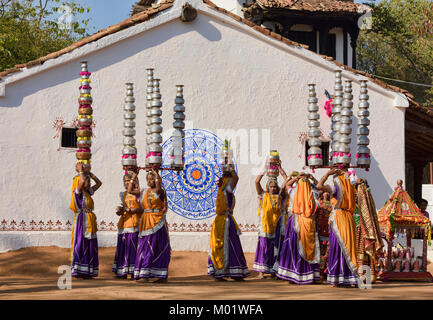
150, 196
274, 203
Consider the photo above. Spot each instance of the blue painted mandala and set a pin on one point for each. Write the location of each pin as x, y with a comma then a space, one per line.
191, 193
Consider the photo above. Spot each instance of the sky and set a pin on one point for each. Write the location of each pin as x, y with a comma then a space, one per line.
104, 13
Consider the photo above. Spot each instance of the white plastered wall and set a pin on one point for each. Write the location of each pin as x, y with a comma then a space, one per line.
234, 77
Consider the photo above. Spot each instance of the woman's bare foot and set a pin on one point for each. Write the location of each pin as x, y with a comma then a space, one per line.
220, 279
261, 275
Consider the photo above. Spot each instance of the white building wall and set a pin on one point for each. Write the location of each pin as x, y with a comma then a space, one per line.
230, 5
233, 80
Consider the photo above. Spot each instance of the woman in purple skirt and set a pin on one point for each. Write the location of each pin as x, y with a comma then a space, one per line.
153, 251
270, 210
342, 254
129, 212
84, 250
226, 257
300, 252
286, 204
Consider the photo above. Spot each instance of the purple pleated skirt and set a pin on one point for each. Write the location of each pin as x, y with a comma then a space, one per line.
264, 260
84, 261
292, 267
278, 243
153, 255
126, 253
338, 271
237, 265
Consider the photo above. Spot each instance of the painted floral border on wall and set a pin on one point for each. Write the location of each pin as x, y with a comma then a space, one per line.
22, 225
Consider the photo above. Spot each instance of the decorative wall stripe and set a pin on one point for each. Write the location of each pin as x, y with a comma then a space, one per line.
12, 225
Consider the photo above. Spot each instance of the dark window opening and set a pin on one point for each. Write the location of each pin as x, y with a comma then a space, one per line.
325, 152
305, 37
330, 46
69, 138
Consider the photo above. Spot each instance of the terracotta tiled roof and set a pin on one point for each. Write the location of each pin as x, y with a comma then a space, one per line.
314, 5
135, 19
146, 15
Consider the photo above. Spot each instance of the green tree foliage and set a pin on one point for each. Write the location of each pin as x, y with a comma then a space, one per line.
30, 29
400, 45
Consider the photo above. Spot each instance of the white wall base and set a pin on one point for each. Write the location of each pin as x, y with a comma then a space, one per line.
180, 241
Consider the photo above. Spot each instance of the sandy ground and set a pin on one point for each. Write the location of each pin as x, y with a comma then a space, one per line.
31, 273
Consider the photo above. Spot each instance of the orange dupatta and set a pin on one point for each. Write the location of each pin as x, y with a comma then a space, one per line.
344, 219
129, 220
304, 206
150, 219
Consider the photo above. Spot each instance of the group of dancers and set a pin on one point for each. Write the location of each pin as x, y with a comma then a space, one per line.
288, 245
143, 246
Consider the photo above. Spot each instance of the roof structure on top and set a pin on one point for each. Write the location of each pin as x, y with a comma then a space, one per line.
324, 6
164, 5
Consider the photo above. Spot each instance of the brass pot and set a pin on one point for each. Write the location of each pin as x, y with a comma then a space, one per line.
84, 133
83, 155
85, 111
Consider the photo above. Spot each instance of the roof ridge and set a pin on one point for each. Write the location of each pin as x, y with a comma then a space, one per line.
147, 14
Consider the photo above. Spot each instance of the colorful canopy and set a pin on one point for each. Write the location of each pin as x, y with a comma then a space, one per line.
400, 212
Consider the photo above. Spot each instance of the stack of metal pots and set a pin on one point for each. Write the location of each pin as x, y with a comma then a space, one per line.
226, 156
149, 91
274, 164
177, 155
345, 129
129, 157
363, 154
336, 116
85, 119
314, 151
154, 154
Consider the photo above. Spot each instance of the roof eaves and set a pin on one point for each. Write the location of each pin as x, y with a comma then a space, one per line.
139, 17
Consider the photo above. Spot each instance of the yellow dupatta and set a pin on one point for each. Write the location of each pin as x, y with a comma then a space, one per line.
304, 206
217, 233
270, 206
91, 217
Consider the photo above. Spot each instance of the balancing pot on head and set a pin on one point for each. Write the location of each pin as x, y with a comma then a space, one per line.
85, 119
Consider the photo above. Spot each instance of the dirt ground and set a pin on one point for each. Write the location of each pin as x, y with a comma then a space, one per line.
31, 273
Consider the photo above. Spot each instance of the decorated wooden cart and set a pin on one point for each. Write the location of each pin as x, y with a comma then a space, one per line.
401, 215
